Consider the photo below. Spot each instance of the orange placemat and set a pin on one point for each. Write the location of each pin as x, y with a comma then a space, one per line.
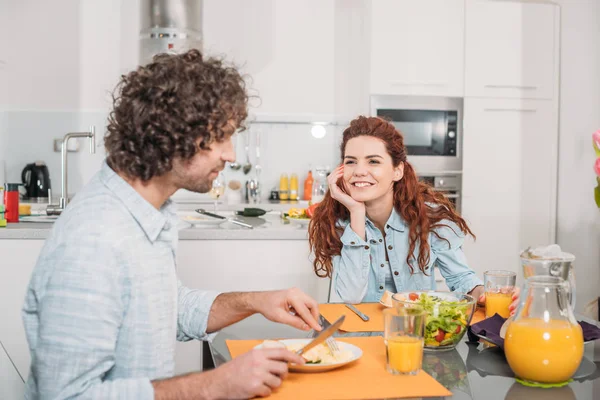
353, 323
367, 378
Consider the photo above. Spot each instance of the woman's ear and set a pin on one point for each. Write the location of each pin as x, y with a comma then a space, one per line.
399, 172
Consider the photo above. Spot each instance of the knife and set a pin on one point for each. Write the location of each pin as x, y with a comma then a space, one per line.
323, 336
357, 312
232, 220
209, 214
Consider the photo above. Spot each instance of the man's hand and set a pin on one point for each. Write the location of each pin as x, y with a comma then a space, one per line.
255, 373
292, 307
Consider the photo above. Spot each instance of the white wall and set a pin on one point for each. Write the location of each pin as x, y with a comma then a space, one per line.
62, 67
578, 216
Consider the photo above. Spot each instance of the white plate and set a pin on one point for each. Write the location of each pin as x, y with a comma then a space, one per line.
356, 354
202, 220
299, 221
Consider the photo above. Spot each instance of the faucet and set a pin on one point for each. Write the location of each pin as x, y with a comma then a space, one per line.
57, 209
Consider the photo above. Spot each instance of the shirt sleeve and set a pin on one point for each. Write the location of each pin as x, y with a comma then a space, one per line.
80, 310
193, 309
351, 268
451, 260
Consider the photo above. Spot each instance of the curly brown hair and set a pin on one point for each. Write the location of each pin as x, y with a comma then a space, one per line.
164, 107
418, 204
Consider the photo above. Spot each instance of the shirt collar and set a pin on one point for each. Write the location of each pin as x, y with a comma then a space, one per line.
395, 222
151, 220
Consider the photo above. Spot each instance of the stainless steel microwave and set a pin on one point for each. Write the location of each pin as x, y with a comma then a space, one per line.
431, 126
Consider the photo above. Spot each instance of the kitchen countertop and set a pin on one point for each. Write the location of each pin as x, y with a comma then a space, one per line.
271, 227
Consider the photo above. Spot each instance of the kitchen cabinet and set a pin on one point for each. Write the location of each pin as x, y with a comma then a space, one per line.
509, 178
243, 265
286, 49
417, 47
18, 259
511, 49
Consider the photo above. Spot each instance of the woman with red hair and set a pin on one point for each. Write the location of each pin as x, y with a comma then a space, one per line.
379, 228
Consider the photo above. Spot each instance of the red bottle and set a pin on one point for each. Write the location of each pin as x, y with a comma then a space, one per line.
11, 202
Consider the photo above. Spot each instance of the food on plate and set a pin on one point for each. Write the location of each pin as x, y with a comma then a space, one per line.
320, 354
386, 299
446, 319
297, 213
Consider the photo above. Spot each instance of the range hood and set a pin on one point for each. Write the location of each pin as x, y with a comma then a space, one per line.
169, 26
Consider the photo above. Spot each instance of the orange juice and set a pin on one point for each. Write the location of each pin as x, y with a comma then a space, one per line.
405, 354
497, 303
546, 352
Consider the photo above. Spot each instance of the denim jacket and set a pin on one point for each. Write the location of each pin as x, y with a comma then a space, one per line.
359, 271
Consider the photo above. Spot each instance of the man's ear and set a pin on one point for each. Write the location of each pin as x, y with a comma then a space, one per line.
399, 172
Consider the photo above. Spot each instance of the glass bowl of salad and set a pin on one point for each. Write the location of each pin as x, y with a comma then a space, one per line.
448, 315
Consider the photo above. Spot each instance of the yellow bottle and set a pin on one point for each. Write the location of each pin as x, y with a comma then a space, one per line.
284, 187
294, 187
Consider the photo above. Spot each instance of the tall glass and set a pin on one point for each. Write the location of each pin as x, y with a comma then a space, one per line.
544, 343
218, 189
403, 334
499, 288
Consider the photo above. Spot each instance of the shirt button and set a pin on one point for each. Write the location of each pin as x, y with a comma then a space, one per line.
380, 240
382, 265
352, 242
373, 241
366, 247
390, 247
387, 226
380, 287
396, 273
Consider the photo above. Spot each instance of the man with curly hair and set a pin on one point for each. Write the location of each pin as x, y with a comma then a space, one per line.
104, 305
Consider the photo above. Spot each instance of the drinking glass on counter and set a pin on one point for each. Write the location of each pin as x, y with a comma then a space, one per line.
499, 287
218, 189
403, 335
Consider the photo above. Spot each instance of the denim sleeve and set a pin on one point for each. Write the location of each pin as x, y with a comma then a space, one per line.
81, 310
351, 268
451, 260
192, 315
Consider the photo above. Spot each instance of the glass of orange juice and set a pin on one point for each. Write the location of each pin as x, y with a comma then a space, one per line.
499, 287
403, 334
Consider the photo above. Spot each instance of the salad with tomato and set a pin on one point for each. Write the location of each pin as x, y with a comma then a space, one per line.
301, 213
446, 319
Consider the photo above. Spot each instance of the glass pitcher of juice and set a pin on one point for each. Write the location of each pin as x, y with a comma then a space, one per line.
544, 343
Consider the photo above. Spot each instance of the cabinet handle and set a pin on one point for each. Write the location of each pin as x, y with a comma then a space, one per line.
452, 196
511, 109
399, 83
511, 87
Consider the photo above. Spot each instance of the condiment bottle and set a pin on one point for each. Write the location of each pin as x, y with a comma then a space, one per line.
294, 187
284, 187
308, 183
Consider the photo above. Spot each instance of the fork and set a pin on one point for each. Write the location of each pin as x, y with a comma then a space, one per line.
332, 345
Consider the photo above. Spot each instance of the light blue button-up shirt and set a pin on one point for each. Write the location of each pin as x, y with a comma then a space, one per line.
359, 271
104, 306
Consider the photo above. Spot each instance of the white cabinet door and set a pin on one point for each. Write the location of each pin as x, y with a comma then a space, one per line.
511, 49
19, 258
244, 265
509, 178
285, 47
417, 47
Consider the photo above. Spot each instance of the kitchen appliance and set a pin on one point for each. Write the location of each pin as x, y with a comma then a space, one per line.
36, 181
169, 26
431, 126
449, 185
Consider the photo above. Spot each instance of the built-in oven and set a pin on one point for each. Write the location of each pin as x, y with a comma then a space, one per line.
431, 127
448, 184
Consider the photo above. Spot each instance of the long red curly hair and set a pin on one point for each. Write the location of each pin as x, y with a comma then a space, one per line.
411, 198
